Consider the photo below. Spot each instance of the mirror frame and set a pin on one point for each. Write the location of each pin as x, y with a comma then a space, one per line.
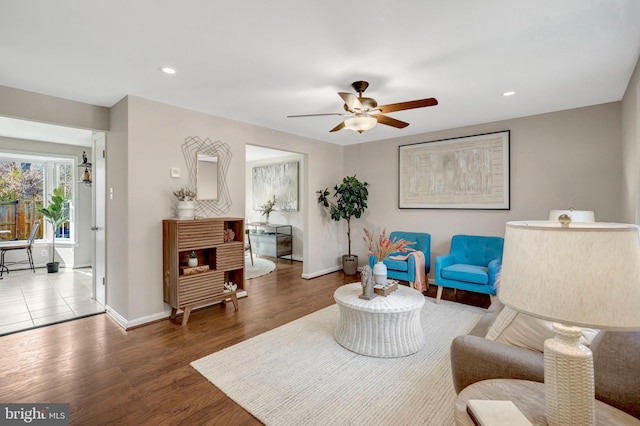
201, 190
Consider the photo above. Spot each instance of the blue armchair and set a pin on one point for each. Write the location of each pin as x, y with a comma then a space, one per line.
406, 269
473, 264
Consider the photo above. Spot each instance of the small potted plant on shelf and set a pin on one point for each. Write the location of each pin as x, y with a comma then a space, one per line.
56, 213
185, 202
268, 207
351, 201
193, 259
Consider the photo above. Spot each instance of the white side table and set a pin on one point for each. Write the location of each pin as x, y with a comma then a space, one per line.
384, 327
529, 398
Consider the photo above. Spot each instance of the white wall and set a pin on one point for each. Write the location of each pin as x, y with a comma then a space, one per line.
293, 218
77, 254
559, 160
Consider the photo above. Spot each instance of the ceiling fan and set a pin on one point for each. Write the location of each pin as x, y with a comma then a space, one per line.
366, 113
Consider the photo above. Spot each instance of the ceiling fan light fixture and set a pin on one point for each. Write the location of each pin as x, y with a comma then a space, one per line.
360, 122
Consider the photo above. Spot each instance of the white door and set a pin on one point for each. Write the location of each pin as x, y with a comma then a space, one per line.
99, 200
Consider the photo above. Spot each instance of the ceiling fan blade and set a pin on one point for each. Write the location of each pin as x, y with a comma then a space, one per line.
383, 119
338, 127
316, 115
351, 101
401, 106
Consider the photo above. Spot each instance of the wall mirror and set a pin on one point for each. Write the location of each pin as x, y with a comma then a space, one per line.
206, 176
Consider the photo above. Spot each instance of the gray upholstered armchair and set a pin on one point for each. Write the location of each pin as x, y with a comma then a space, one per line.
616, 362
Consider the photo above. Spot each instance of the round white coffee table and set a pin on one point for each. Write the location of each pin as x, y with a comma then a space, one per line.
384, 327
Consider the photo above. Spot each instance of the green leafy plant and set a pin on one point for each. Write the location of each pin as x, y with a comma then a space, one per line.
193, 255
350, 201
56, 213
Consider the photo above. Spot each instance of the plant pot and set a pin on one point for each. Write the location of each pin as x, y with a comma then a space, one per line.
350, 264
52, 267
185, 209
193, 261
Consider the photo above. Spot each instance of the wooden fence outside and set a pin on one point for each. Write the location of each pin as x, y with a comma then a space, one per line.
18, 217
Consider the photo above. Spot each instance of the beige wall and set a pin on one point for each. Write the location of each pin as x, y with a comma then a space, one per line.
145, 142
559, 160
26, 105
630, 149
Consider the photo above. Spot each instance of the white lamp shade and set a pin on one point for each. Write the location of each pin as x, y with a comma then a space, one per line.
575, 215
584, 274
360, 122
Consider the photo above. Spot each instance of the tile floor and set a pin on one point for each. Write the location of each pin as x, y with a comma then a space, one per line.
29, 299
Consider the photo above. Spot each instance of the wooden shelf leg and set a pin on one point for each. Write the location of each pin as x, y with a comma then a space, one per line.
234, 299
173, 313
185, 315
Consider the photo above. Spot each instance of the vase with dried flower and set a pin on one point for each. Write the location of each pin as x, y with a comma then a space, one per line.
185, 205
382, 247
268, 207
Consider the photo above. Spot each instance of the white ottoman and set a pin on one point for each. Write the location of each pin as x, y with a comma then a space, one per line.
384, 327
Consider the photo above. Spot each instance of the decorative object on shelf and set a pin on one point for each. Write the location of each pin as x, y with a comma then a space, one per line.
56, 213
267, 208
229, 235
381, 248
591, 270
386, 289
185, 205
86, 175
470, 172
351, 201
229, 287
193, 259
191, 148
367, 284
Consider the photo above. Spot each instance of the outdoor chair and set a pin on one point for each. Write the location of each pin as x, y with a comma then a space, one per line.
19, 245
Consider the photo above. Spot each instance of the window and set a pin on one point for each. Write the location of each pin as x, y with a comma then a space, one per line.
25, 184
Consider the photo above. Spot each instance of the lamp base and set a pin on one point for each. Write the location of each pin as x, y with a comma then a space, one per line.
568, 378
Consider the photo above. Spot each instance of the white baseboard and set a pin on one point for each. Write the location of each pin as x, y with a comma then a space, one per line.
320, 273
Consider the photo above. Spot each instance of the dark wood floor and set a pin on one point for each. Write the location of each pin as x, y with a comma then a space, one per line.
142, 376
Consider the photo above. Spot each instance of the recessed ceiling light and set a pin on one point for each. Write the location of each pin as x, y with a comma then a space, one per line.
509, 93
168, 70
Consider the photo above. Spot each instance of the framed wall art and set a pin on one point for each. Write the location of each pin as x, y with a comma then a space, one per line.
470, 172
280, 180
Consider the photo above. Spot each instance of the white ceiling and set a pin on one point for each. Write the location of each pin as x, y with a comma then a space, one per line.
258, 62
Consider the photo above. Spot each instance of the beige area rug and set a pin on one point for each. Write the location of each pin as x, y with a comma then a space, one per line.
259, 268
297, 374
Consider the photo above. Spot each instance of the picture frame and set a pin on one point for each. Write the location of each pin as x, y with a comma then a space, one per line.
279, 180
468, 172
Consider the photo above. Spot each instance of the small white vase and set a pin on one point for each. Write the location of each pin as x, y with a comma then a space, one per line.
185, 209
193, 261
380, 273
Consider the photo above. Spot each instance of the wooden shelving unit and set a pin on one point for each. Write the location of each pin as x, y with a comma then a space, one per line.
225, 261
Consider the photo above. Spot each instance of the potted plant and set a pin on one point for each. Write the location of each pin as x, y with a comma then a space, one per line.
193, 259
185, 204
350, 201
56, 213
268, 207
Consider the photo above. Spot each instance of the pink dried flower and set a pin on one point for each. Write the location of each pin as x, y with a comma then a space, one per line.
383, 247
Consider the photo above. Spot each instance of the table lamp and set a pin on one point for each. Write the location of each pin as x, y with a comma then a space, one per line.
577, 275
574, 215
